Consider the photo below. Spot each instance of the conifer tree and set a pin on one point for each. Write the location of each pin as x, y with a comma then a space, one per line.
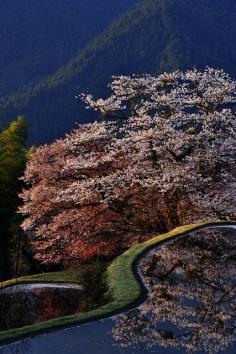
13, 155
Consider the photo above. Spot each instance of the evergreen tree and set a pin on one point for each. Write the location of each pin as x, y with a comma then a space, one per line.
13, 155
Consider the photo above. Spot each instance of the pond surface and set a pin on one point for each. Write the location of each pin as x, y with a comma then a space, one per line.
25, 304
191, 306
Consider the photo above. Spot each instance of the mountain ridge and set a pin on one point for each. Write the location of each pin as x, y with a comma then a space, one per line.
151, 37
38, 36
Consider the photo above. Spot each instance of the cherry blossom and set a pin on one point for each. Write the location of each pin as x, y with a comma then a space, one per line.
164, 156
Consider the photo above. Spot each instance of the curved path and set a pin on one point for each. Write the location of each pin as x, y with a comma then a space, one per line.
125, 286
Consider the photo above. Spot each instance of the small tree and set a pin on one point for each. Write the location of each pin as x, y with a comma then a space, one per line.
166, 157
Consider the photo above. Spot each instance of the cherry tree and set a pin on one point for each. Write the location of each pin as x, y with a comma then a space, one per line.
180, 134
165, 155
70, 218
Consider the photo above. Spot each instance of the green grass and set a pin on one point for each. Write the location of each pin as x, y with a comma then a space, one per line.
124, 287
69, 276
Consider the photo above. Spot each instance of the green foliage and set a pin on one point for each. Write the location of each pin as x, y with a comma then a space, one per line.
12, 161
13, 155
93, 282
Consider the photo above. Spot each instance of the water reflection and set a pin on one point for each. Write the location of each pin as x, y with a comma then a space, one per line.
191, 306
192, 296
22, 308
21, 348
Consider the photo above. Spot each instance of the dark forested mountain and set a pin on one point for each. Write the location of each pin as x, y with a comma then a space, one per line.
38, 36
154, 36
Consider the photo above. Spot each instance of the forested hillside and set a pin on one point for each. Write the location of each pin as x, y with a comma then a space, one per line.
155, 36
38, 36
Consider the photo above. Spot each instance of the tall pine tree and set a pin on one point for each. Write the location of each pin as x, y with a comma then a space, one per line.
13, 155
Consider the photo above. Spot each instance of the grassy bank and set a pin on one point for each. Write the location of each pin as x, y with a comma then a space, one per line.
125, 289
70, 276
